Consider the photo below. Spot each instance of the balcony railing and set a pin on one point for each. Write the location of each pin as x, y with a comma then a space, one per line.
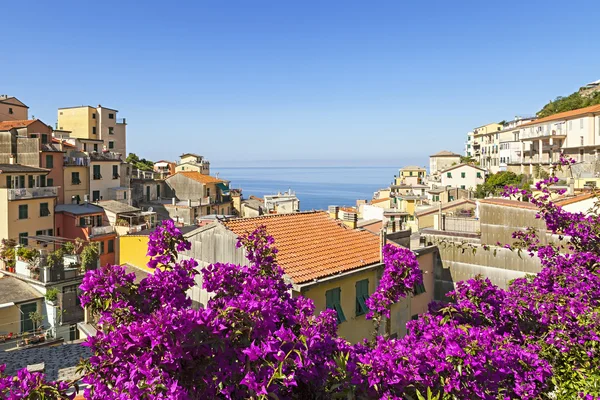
76, 161
121, 121
32, 193
101, 230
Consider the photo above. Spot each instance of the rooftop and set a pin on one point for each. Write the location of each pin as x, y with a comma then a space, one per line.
567, 114
20, 123
198, 177
412, 167
380, 200
463, 165
15, 291
190, 154
445, 153
146, 232
509, 203
455, 203
10, 168
309, 244
117, 207
79, 209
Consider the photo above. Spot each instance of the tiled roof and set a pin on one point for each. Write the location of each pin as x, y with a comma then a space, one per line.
380, 200
445, 206
348, 209
509, 203
13, 290
198, 177
311, 245
117, 207
64, 143
463, 165
445, 153
567, 114
412, 167
6, 125
8, 168
574, 199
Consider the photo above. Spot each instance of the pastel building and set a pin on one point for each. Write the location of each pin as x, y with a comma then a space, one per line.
190, 162
464, 176
12, 108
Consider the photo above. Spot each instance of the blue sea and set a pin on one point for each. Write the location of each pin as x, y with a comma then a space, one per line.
316, 187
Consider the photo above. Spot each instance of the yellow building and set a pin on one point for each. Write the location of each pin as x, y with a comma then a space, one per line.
411, 175
133, 249
190, 162
18, 299
95, 123
26, 203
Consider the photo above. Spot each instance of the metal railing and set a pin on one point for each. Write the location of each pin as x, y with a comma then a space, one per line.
32, 193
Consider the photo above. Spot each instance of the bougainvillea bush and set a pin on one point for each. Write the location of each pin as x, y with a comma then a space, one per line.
539, 339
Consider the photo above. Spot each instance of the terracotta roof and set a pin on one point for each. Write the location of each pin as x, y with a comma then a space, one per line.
6, 125
509, 203
256, 198
574, 199
567, 114
380, 200
445, 153
198, 177
445, 206
311, 245
348, 209
64, 143
463, 165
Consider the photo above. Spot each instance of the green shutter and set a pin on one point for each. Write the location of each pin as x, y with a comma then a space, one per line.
111, 246
23, 211
463, 174
31, 181
8, 182
362, 294
449, 174
419, 288
49, 161
333, 301
44, 211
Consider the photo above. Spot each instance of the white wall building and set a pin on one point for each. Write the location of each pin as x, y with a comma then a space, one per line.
442, 160
510, 152
282, 203
464, 176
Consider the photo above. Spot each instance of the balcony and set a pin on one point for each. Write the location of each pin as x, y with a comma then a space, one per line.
100, 230
32, 193
121, 121
76, 161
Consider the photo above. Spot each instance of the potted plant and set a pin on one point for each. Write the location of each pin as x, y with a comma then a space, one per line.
52, 296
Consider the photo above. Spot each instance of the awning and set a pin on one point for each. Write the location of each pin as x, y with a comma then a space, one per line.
224, 188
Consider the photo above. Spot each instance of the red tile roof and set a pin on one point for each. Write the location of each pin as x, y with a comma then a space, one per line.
311, 245
198, 177
567, 114
509, 203
6, 125
379, 200
66, 144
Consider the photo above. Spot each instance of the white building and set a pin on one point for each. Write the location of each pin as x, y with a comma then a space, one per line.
469, 152
282, 203
464, 176
510, 152
575, 133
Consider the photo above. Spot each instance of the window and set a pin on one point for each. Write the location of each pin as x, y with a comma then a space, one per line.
419, 288
448, 174
93, 115
462, 186
582, 140
463, 174
50, 232
72, 289
98, 220
111, 130
31, 181
42, 181
75, 178
111, 144
101, 247
115, 171
10, 110
49, 161
85, 147
44, 211
93, 130
411, 173
23, 241
450, 198
362, 294
479, 175
207, 192
111, 116
96, 195
96, 147
207, 210
39, 233
125, 195
44, 138
332, 301
82, 221
111, 246
23, 211
158, 191
97, 172
50, 182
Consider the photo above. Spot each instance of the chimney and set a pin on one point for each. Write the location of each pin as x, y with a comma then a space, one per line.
382, 241
173, 201
189, 203
350, 219
334, 211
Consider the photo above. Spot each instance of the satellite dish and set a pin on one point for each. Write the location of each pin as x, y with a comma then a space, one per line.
150, 209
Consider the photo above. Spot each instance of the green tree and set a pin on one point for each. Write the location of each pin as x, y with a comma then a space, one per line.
495, 183
571, 102
141, 164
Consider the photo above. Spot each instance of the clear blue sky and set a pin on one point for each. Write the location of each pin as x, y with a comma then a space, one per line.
341, 82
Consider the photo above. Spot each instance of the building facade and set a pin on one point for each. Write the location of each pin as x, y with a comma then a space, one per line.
12, 108
442, 160
464, 176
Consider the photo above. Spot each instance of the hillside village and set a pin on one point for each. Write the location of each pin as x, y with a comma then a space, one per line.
72, 201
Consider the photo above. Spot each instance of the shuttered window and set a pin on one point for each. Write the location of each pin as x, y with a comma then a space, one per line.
419, 288
362, 294
333, 302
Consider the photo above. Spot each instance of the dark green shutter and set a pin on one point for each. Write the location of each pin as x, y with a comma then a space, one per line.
333, 301
362, 294
8, 182
31, 181
419, 288
23, 214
